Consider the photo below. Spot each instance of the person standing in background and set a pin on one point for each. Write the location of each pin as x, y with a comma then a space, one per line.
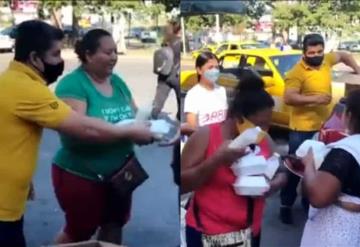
308, 92
171, 81
166, 83
206, 102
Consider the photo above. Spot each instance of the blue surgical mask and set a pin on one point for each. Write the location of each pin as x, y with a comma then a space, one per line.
212, 75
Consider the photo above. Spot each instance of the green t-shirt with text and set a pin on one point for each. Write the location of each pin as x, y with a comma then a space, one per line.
85, 158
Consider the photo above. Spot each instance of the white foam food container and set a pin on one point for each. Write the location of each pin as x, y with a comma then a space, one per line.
249, 136
250, 165
159, 126
319, 150
273, 164
251, 186
306, 145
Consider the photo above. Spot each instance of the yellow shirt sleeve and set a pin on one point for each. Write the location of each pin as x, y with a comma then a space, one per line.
38, 104
331, 58
293, 80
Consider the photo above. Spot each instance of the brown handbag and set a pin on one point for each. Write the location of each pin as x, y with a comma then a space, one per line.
130, 176
124, 181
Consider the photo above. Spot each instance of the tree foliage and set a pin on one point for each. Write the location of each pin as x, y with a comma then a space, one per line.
154, 11
318, 16
196, 23
233, 20
286, 16
169, 4
254, 10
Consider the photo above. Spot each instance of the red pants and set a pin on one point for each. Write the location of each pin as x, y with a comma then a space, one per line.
87, 204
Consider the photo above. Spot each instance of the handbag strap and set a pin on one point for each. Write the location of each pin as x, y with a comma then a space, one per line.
95, 173
102, 178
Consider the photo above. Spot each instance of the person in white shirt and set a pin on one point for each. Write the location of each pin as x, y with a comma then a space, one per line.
206, 102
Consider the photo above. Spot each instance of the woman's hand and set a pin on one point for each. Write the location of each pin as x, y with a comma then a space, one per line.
171, 142
227, 156
274, 186
276, 183
140, 133
308, 159
186, 129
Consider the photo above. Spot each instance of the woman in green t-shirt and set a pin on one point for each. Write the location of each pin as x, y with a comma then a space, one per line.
93, 90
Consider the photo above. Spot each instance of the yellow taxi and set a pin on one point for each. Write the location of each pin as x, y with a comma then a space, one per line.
210, 47
220, 49
271, 64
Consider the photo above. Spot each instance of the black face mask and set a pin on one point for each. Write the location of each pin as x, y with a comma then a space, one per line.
314, 61
52, 71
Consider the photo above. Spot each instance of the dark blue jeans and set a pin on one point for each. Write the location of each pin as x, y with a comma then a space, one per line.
11, 234
288, 193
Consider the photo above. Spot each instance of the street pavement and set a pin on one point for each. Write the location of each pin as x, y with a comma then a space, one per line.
154, 220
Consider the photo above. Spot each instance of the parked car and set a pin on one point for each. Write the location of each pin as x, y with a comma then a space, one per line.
355, 47
148, 36
349, 45
219, 50
271, 64
7, 41
135, 32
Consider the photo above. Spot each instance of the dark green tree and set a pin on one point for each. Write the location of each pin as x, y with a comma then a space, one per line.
169, 4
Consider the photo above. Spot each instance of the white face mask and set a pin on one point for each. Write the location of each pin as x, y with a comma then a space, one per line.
212, 75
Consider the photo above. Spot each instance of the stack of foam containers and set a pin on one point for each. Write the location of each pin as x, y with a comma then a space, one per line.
159, 127
252, 169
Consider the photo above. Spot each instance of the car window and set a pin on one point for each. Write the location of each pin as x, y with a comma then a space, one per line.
253, 46
285, 63
6, 31
230, 61
221, 48
234, 47
257, 63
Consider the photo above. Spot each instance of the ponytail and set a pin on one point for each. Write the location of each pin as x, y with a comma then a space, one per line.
250, 96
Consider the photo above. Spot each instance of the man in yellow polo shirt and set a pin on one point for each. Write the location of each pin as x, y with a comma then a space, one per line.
308, 91
26, 107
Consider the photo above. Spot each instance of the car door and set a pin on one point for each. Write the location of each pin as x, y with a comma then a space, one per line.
230, 72
269, 75
221, 49
262, 67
